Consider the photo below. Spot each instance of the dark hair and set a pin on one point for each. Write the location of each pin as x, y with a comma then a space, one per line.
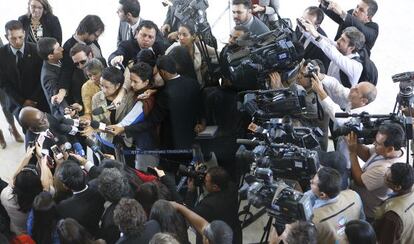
147, 56
71, 175
71, 232
163, 238
329, 181
219, 177
395, 135
94, 65
247, 3
147, 195
356, 38
129, 216
241, 28
170, 220
183, 61
113, 75
113, 185
13, 25
316, 11
360, 232
315, 62
167, 63
143, 70
47, 9
402, 174
90, 25
131, 6
45, 46
188, 27
27, 186
218, 232
302, 232
147, 24
44, 218
372, 7
80, 47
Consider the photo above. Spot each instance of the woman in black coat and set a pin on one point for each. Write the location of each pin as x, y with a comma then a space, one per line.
40, 22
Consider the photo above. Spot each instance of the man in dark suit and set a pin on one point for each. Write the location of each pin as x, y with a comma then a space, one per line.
20, 70
242, 15
360, 17
51, 52
220, 203
88, 32
128, 13
315, 16
86, 204
145, 38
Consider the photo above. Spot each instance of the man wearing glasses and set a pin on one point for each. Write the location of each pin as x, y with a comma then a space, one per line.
368, 181
87, 33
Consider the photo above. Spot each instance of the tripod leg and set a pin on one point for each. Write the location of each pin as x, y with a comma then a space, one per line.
265, 236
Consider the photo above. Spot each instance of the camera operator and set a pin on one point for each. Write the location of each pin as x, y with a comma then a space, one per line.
242, 15
360, 17
332, 208
219, 203
394, 218
343, 53
368, 181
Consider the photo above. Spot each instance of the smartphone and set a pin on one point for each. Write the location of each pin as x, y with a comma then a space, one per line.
57, 152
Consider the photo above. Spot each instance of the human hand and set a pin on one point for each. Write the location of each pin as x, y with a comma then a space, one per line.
308, 27
58, 98
173, 36
146, 94
80, 159
160, 173
336, 8
275, 80
165, 29
117, 60
30, 103
29, 152
199, 127
352, 140
114, 130
87, 131
257, 8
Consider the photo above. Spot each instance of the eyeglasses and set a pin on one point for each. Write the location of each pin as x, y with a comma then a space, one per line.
80, 62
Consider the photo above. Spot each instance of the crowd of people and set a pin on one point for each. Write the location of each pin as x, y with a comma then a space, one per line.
105, 136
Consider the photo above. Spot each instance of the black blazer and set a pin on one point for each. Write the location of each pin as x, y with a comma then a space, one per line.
130, 48
50, 24
49, 78
369, 29
26, 85
85, 207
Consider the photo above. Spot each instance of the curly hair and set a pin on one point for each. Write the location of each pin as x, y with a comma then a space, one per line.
130, 216
113, 185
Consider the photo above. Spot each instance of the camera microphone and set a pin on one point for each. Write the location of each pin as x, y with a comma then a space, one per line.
67, 129
95, 148
100, 110
101, 126
77, 147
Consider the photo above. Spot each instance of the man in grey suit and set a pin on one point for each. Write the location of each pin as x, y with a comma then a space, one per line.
128, 13
242, 15
51, 52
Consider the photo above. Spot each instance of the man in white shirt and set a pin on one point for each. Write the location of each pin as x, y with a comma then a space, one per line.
342, 53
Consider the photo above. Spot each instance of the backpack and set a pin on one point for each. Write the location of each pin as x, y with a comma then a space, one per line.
369, 70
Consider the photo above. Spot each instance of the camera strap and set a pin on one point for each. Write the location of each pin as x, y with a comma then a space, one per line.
336, 214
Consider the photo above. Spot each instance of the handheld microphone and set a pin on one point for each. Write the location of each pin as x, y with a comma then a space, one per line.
74, 122
78, 149
67, 129
63, 143
100, 110
95, 148
101, 126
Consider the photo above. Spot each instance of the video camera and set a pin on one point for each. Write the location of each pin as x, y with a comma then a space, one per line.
366, 129
261, 55
281, 201
284, 160
405, 97
274, 103
191, 12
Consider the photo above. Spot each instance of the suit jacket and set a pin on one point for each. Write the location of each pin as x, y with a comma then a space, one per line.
130, 48
49, 78
258, 27
50, 24
314, 52
220, 205
123, 33
370, 29
25, 85
85, 207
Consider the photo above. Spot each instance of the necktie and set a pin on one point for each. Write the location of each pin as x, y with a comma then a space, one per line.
131, 34
19, 56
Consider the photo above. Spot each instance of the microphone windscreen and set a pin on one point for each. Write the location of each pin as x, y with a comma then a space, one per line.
95, 124
98, 111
